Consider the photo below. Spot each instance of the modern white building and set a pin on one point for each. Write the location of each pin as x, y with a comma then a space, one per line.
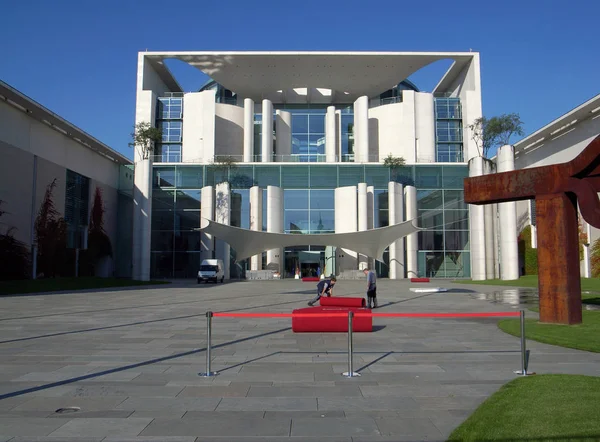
294, 142
495, 227
38, 147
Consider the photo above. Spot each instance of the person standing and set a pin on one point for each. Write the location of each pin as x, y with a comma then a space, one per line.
324, 287
371, 288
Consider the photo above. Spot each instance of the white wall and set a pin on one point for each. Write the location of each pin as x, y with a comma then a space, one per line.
361, 130
425, 127
283, 129
392, 129
198, 135
229, 130
346, 220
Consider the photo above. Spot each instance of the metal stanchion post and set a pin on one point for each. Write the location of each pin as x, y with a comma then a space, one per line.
524, 352
350, 373
208, 372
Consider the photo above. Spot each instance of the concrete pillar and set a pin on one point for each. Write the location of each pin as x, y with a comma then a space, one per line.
363, 220
477, 227
283, 130
142, 206
412, 240
275, 258
207, 210
338, 134
488, 214
371, 216
256, 221
329, 261
424, 119
361, 130
345, 221
396, 216
223, 216
330, 135
509, 266
496, 243
587, 265
267, 131
248, 130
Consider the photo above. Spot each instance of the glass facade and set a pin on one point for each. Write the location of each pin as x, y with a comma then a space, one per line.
309, 203
448, 130
169, 119
77, 200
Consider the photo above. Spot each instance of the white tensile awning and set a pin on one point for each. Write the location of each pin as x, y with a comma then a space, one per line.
248, 243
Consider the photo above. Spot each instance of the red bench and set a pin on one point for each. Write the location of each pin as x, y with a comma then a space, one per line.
303, 323
419, 279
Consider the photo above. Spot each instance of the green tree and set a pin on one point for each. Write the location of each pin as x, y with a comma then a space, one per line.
495, 131
393, 163
14, 255
145, 137
595, 258
223, 165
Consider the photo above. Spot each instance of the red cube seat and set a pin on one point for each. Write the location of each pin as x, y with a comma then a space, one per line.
304, 321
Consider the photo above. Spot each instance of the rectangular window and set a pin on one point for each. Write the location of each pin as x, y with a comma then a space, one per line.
171, 131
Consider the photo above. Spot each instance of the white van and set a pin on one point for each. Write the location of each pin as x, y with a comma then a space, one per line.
211, 270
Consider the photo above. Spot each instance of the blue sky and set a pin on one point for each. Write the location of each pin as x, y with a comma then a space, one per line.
78, 58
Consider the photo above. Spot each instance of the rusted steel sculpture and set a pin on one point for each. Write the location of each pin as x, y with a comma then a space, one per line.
556, 189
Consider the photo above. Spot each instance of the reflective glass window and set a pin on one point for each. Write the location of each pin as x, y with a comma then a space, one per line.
317, 124
162, 241
457, 219
242, 177
267, 176
350, 175
431, 240
162, 220
322, 199
187, 220
454, 176
294, 177
429, 199
188, 199
454, 199
164, 177
428, 177
186, 241
191, 177
428, 219
323, 177
299, 123
322, 221
163, 199
456, 239
295, 199
296, 221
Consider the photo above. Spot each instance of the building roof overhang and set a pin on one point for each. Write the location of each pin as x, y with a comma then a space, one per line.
49, 118
248, 243
349, 75
558, 127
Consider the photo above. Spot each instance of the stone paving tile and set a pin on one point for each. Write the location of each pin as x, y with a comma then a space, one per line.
152, 439
56, 439
215, 391
305, 391
171, 404
266, 404
18, 426
102, 427
223, 426
334, 427
409, 428
85, 404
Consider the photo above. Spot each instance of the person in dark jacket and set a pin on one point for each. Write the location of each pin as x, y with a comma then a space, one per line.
324, 288
371, 288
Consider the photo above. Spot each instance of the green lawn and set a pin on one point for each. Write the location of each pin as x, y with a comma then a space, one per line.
56, 284
537, 408
587, 284
584, 336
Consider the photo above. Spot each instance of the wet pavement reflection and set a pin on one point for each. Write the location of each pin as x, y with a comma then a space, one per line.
520, 298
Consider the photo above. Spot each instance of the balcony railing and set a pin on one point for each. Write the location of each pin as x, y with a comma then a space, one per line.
390, 100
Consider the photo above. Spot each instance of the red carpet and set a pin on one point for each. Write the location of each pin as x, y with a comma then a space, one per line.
310, 279
419, 279
333, 301
323, 324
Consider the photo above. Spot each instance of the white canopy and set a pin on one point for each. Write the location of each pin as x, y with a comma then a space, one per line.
248, 243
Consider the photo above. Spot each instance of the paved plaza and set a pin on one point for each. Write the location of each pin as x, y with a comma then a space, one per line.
128, 361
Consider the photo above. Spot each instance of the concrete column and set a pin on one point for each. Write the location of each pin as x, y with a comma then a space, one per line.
361, 130
284, 135
396, 215
363, 220
267, 131
496, 243
330, 135
338, 134
371, 216
223, 216
587, 265
248, 130
477, 227
509, 266
256, 221
424, 120
329, 261
412, 240
275, 258
488, 214
346, 221
207, 206
142, 206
